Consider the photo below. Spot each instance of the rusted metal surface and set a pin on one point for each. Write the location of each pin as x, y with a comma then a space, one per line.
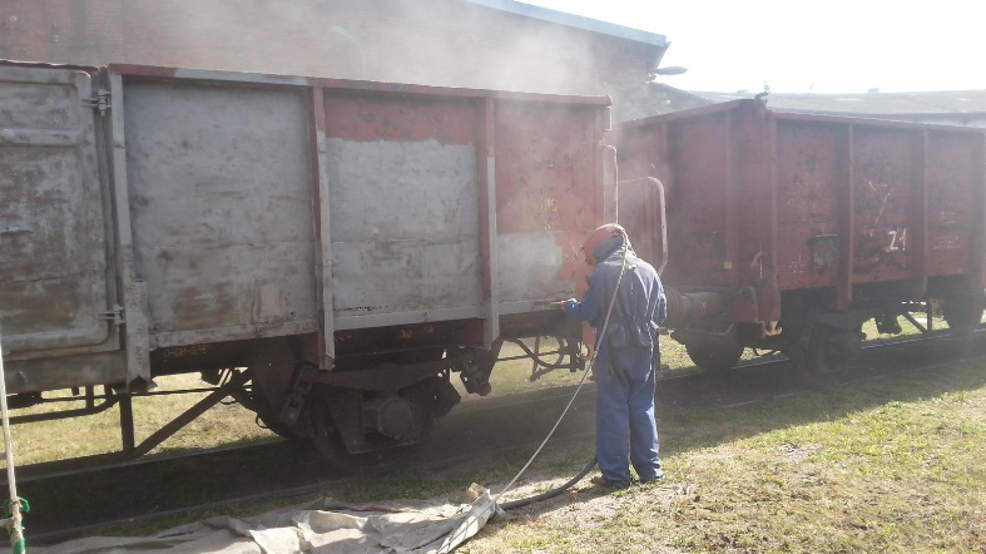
978, 246
845, 204
641, 213
954, 177
254, 206
548, 197
919, 211
404, 208
809, 202
53, 254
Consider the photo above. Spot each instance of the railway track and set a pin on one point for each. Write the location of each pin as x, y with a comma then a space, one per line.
35, 472
225, 477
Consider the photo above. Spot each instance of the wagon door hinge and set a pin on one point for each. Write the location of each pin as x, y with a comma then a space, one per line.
114, 315
99, 101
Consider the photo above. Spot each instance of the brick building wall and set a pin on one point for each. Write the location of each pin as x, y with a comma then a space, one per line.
439, 42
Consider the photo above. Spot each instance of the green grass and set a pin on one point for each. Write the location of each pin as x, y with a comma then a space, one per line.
893, 464
100, 433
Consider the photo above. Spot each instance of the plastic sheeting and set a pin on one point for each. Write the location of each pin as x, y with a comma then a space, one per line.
331, 529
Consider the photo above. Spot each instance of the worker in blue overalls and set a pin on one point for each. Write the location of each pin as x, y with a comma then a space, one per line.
625, 362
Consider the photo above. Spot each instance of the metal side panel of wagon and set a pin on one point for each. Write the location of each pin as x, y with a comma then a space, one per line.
59, 317
805, 226
354, 244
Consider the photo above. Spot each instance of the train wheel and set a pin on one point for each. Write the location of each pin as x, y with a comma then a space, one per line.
963, 314
831, 349
347, 423
327, 440
715, 356
272, 366
270, 420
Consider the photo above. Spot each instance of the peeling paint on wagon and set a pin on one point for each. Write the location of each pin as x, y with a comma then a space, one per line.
549, 195
226, 181
363, 118
831, 176
404, 226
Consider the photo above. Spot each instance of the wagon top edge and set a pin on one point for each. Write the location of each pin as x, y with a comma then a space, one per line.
221, 76
150, 71
788, 115
47, 65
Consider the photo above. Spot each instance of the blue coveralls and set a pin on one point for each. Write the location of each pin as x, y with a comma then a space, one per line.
625, 364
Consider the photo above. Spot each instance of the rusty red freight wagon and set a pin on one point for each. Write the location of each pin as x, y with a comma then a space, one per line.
793, 229
354, 244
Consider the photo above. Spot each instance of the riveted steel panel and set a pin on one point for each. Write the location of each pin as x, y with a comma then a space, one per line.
53, 256
220, 186
402, 175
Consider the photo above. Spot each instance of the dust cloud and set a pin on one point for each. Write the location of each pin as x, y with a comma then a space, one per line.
433, 42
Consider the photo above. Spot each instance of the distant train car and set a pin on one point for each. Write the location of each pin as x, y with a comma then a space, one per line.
353, 244
794, 229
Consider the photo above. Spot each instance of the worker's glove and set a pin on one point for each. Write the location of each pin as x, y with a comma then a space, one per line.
569, 305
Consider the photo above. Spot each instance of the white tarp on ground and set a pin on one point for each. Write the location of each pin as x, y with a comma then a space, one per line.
332, 528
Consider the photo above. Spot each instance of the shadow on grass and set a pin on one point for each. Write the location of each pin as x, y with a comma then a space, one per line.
712, 410
827, 400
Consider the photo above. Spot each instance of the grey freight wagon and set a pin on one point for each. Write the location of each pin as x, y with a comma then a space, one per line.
327, 252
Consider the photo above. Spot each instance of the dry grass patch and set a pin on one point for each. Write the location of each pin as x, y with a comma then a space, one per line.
96, 434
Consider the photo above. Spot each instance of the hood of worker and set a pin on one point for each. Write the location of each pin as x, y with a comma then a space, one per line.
607, 247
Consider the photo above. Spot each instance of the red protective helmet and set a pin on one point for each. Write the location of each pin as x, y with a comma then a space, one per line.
596, 238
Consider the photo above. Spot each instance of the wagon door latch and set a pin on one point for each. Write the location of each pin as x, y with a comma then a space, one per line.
114, 315
99, 101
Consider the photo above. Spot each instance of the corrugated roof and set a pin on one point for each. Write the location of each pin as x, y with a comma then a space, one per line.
874, 103
575, 21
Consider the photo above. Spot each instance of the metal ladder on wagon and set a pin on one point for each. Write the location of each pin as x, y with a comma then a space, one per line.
12, 517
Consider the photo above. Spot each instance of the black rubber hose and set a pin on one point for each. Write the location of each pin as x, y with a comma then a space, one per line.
550, 493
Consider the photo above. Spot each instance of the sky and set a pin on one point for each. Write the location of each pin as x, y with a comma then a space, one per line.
823, 46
